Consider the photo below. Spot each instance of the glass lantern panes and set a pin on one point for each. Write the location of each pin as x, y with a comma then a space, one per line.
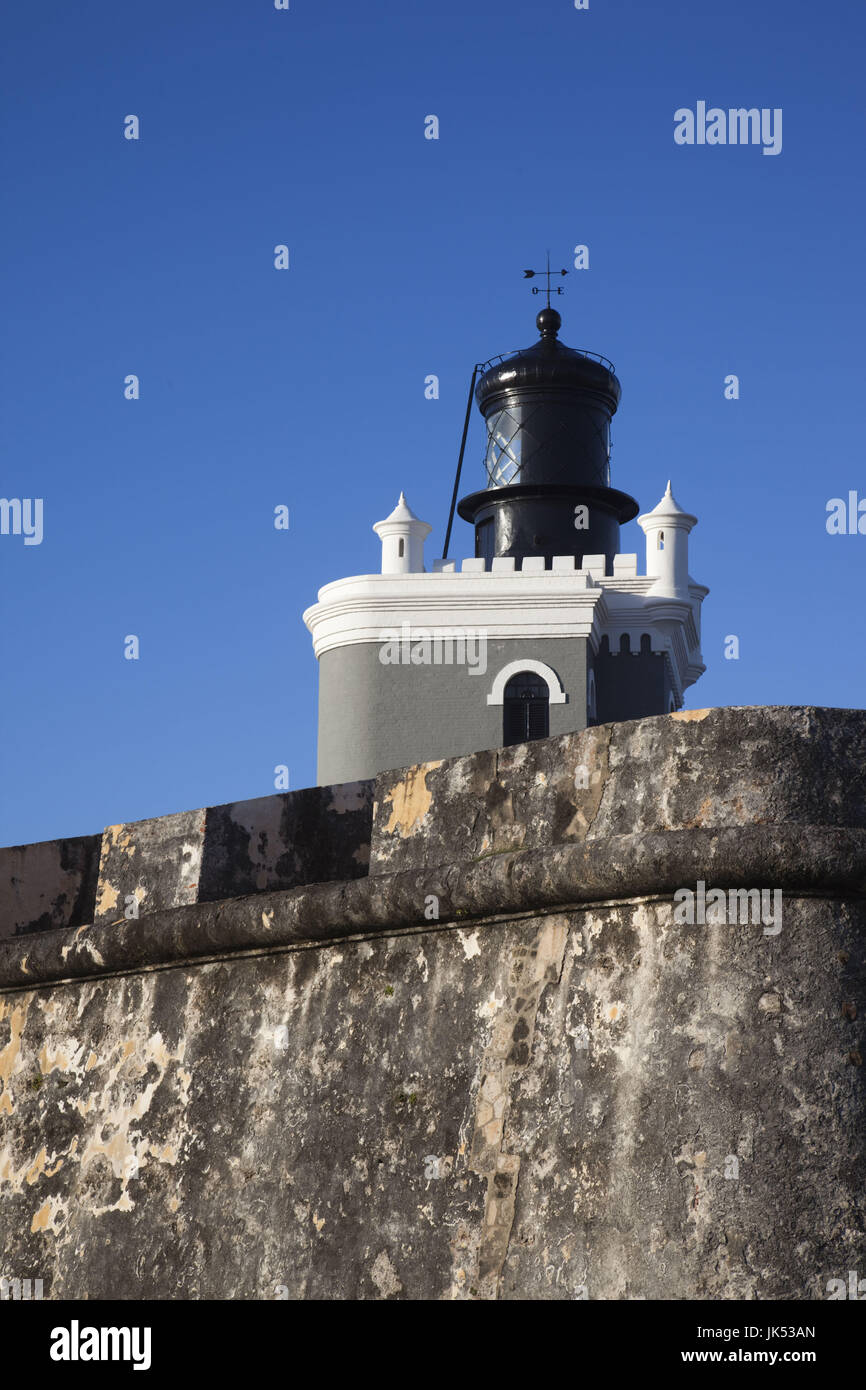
502, 460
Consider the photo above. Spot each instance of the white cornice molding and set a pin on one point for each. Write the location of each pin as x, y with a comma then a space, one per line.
350, 611
522, 604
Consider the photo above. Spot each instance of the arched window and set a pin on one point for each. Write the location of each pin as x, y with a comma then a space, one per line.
525, 709
661, 540
400, 552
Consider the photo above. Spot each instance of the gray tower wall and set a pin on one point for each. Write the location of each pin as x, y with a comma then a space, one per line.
630, 684
373, 717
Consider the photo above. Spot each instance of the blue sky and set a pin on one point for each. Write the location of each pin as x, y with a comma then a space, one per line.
306, 387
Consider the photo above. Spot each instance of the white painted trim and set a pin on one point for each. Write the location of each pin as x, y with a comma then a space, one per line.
502, 605
538, 668
523, 605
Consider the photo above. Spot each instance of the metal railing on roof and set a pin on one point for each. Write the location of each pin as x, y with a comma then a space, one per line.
583, 352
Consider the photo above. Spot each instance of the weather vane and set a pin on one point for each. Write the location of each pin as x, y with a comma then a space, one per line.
536, 289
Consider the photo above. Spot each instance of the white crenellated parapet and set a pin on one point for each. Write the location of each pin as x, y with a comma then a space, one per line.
520, 600
595, 565
667, 529
592, 567
509, 603
402, 535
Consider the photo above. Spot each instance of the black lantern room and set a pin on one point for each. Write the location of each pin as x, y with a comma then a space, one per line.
548, 411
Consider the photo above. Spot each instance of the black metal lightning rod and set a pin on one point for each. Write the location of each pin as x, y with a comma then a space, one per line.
475, 370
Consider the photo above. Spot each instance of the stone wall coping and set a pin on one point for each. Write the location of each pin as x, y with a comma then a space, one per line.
799, 859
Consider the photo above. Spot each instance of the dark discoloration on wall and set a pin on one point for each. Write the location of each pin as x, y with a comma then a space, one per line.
317, 835
320, 834
49, 885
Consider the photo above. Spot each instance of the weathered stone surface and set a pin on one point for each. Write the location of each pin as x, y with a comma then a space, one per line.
502, 1066
545, 1107
696, 768
793, 859
675, 1138
316, 835
149, 864
48, 885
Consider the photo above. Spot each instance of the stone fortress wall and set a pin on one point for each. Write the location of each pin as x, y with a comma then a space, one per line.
446, 1034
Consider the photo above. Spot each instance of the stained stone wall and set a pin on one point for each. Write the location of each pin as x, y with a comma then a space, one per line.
48, 885
693, 769
309, 836
498, 1066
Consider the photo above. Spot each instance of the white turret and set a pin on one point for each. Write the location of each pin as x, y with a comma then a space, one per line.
667, 529
402, 535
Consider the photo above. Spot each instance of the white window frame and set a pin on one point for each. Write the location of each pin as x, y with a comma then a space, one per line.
556, 694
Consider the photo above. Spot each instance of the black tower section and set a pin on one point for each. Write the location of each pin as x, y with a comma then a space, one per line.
548, 411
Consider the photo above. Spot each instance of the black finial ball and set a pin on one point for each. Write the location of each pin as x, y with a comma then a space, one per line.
548, 323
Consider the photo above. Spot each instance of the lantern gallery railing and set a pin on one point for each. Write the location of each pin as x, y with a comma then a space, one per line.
583, 352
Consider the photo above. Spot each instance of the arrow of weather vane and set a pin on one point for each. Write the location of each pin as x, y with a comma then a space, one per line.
538, 289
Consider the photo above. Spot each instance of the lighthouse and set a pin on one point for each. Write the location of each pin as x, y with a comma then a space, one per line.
548, 413
546, 627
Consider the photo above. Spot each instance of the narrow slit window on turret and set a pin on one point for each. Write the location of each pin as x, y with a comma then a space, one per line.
400, 552
526, 709
661, 540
